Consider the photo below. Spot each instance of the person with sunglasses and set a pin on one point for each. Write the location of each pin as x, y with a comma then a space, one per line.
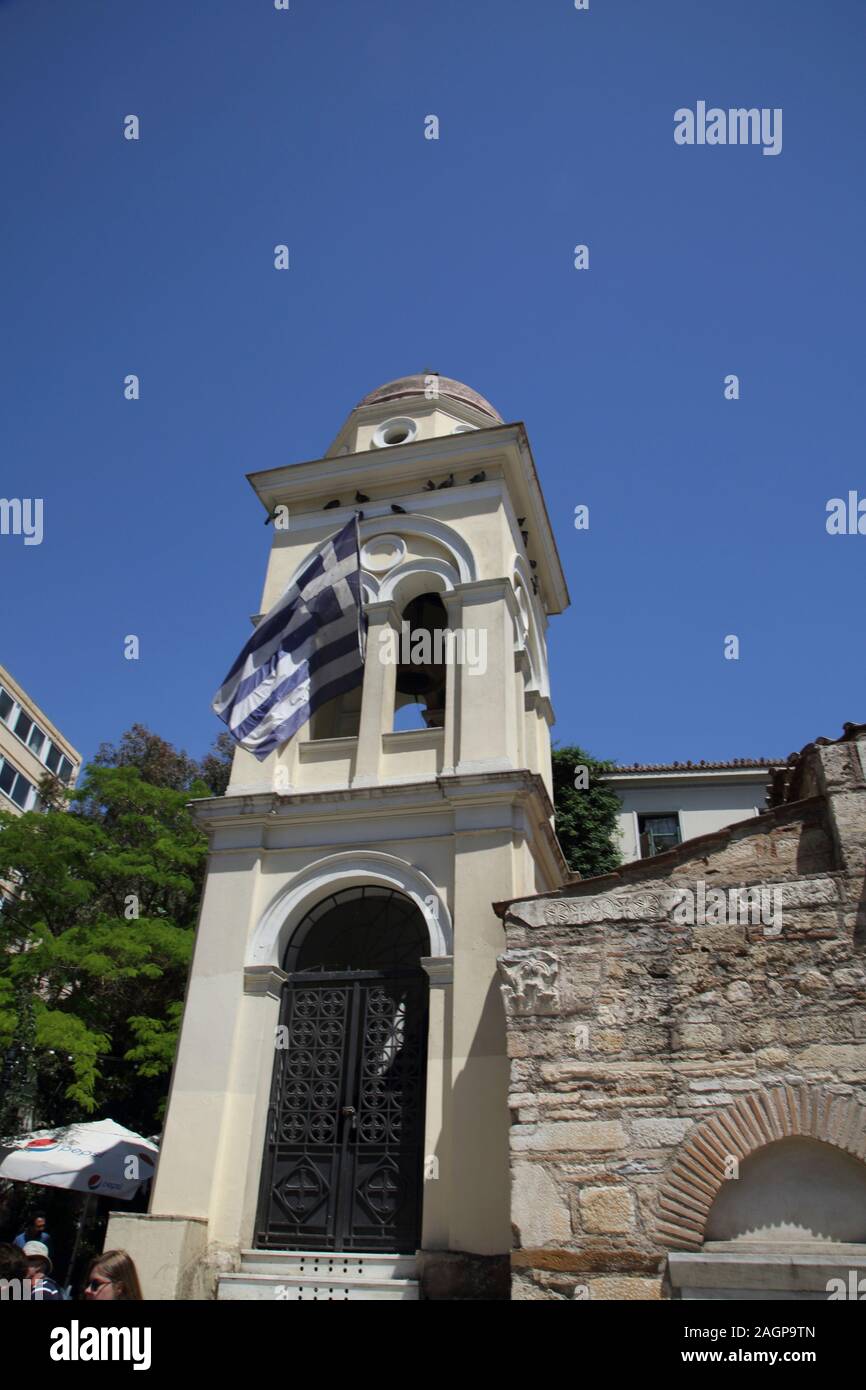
112, 1275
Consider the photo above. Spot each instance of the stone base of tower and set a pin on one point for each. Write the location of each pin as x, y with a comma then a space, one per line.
170, 1254
176, 1263
459, 1276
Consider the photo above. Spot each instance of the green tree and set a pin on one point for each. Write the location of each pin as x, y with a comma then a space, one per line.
215, 767
165, 766
586, 823
98, 939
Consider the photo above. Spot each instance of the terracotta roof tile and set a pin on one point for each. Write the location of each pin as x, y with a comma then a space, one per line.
788, 778
704, 765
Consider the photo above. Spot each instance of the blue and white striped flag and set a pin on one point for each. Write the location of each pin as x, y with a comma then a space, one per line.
306, 650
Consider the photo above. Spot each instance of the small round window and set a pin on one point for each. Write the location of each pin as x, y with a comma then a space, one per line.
401, 430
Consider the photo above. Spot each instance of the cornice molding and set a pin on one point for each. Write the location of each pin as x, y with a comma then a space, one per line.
268, 807
686, 775
263, 820
313, 477
501, 449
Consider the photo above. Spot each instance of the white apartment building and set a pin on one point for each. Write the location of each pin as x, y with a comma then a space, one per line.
666, 803
30, 747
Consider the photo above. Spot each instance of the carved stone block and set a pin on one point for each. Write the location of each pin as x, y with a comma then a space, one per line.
529, 982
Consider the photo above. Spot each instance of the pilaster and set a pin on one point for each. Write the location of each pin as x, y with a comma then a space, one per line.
437, 1144
485, 714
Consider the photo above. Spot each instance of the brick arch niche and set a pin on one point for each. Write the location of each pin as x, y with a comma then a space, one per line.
691, 1201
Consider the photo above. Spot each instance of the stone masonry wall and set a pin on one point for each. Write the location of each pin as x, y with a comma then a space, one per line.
645, 1047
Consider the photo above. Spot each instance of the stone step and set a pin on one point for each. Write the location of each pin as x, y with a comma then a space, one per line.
271, 1288
329, 1263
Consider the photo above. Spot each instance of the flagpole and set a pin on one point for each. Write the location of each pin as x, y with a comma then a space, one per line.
362, 616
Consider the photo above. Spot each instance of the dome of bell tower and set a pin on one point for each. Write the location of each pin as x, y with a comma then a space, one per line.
419, 384
422, 406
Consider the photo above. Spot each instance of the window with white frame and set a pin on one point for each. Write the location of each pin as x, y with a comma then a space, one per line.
34, 737
57, 763
19, 789
658, 832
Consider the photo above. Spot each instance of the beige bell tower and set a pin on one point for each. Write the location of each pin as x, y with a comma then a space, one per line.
388, 824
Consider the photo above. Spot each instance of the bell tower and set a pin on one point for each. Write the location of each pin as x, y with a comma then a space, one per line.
341, 1080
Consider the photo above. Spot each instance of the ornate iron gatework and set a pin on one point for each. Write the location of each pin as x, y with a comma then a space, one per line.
344, 1149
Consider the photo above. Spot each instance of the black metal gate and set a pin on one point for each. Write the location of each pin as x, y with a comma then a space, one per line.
343, 1156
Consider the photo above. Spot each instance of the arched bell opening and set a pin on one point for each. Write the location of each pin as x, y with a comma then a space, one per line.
422, 666
343, 1160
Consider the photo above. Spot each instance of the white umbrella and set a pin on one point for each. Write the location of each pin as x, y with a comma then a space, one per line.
101, 1158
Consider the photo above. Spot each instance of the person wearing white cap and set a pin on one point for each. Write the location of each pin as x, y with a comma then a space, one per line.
38, 1269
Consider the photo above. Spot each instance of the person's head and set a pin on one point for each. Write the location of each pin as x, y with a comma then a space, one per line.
112, 1275
37, 1226
13, 1265
38, 1259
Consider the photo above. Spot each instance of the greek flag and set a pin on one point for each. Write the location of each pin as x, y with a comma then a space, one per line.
305, 651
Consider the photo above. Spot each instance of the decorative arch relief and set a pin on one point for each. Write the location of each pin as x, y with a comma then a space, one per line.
267, 946
457, 551
416, 577
387, 573
382, 552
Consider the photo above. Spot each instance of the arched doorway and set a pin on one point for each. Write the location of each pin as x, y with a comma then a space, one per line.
343, 1156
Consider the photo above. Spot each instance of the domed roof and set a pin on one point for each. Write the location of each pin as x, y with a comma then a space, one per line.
406, 386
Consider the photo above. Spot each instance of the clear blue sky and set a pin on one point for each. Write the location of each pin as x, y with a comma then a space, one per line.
306, 127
